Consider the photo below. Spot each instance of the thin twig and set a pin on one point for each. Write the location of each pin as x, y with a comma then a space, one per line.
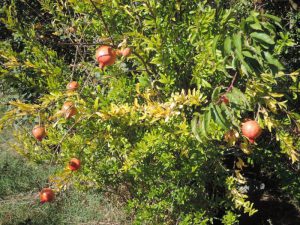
63, 138
74, 63
142, 60
103, 20
232, 83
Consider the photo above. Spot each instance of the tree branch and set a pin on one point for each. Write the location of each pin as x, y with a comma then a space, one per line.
103, 20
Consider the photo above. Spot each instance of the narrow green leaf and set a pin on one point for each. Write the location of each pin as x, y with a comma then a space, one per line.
214, 46
203, 127
273, 61
241, 59
194, 126
206, 121
227, 45
237, 41
219, 119
96, 103
216, 93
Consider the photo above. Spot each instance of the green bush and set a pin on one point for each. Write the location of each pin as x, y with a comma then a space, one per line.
150, 128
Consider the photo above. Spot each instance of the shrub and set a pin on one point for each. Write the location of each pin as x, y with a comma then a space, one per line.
161, 128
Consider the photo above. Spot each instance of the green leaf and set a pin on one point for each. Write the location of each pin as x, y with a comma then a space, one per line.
237, 41
256, 26
227, 45
214, 46
238, 98
204, 125
248, 54
262, 37
274, 18
96, 103
194, 126
244, 63
218, 117
207, 118
271, 60
216, 94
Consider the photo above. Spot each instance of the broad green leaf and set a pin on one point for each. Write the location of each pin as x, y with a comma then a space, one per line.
248, 54
256, 26
237, 97
262, 37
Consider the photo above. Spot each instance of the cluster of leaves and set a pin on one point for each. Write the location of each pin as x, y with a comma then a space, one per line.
151, 128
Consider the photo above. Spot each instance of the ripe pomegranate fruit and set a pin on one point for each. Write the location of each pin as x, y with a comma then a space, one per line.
74, 164
126, 52
251, 130
72, 86
46, 195
69, 109
106, 56
39, 132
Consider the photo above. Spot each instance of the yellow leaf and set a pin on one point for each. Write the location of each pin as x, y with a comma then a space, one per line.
246, 148
137, 88
239, 177
240, 163
276, 95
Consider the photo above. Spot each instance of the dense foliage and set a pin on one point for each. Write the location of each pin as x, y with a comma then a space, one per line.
161, 128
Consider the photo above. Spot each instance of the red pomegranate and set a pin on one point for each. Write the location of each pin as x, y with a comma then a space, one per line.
106, 56
46, 195
251, 130
72, 86
126, 52
74, 164
69, 109
39, 132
